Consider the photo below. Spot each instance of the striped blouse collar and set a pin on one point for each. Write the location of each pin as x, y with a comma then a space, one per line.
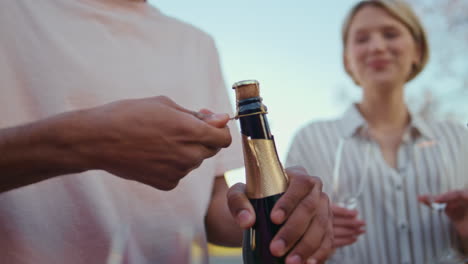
353, 122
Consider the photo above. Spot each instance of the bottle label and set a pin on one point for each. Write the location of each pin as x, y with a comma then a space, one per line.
265, 175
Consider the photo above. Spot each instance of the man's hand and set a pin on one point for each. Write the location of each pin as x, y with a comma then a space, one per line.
456, 208
346, 226
154, 140
307, 233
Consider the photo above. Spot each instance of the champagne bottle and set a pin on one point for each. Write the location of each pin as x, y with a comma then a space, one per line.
266, 180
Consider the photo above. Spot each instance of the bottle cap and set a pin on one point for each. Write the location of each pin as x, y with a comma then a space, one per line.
246, 89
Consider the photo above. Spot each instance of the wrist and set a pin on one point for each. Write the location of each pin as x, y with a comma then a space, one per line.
74, 139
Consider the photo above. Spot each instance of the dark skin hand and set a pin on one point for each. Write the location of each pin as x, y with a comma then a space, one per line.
307, 233
151, 140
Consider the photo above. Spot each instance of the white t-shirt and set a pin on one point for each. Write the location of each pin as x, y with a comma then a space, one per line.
61, 55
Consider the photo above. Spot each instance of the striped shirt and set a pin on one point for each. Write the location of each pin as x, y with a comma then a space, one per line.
432, 158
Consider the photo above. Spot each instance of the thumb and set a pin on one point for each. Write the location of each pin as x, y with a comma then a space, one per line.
216, 120
240, 206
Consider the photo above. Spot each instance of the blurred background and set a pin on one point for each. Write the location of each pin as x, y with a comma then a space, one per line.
294, 50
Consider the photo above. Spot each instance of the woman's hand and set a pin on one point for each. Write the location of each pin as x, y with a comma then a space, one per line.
456, 208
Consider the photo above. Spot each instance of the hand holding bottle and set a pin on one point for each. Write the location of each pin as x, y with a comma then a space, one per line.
304, 209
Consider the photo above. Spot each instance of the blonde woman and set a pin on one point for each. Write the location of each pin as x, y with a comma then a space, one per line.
399, 160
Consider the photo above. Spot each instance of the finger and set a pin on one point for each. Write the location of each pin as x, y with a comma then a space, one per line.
317, 241
197, 154
213, 137
456, 205
341, 232
169, 102
343, 212
348, 223
208, 129
210, 152
205, 111
300, 185
327, 248
425, 199
456, 213
340, 242
199, 115
240, 206
216, 120
299, 220
452, 196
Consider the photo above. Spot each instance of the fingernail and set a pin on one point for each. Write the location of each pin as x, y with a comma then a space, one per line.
294, 259
205, 111
311, 261
219, 116
243, 217
278, 246
200, 115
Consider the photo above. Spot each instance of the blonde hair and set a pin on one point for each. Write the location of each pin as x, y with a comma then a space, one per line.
403, 13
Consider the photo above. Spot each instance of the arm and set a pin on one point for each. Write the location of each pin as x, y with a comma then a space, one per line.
39, 151
151, 140
222, 229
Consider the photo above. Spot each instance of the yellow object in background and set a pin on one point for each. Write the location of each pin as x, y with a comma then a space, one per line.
234, 176
215, 250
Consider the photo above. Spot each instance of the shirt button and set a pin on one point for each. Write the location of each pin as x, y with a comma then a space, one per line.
402, 170
403, 226
399, 187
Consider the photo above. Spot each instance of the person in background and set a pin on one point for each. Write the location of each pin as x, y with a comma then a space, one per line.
98, 164
385, 47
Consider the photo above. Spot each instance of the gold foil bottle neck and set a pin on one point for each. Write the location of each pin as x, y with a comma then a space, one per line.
264, 174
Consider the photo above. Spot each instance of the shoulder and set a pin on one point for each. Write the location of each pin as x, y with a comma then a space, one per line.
187, 31
447, 128
451, 132
316, 137
320, 128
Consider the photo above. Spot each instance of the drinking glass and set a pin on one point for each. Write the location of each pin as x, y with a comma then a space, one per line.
447, 254
345, 194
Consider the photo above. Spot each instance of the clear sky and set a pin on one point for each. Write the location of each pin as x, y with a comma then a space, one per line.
293, 48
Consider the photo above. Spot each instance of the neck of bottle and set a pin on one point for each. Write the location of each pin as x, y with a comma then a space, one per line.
264, 173
253, 120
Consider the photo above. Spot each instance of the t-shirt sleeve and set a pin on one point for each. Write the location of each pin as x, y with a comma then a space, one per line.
231, 157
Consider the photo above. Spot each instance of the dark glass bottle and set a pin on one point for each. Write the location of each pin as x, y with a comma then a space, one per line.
266, 180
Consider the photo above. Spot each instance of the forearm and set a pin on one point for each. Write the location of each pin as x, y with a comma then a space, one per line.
40, 150
221, 227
